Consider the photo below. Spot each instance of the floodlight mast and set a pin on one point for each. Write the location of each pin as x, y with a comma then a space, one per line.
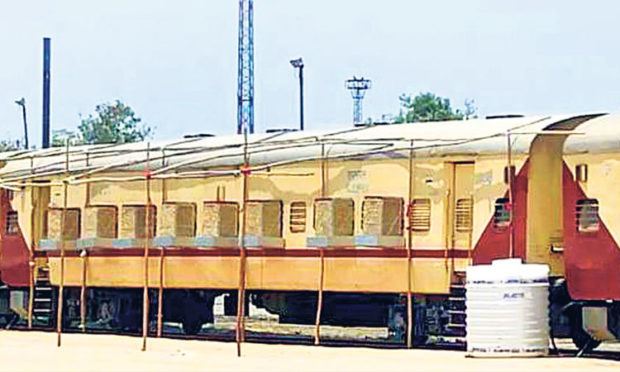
299, 64
245, 68
358, 88
22, 104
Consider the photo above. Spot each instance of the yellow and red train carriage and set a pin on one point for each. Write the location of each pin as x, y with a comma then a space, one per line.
365, 214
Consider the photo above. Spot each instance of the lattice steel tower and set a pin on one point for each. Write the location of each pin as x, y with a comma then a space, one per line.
358, 88
245, 68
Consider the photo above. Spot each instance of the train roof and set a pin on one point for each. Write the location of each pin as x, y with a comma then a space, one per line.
227, 153
598, 135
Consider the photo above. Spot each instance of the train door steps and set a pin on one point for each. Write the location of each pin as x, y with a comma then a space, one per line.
456, 306
43, 301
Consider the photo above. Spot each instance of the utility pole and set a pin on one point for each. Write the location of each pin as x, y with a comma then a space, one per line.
299, 64
245, 68
22, 103
358, 88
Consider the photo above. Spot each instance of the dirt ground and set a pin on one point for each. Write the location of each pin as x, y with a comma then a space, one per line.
37, 351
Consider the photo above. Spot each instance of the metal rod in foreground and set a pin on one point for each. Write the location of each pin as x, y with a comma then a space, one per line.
147, 236
61, 287
409, 255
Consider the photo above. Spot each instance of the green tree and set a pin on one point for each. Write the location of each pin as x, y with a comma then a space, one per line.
113, 123
429, 107
60, 137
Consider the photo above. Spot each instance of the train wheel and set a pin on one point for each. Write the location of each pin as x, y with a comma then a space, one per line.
582, 340
192, 326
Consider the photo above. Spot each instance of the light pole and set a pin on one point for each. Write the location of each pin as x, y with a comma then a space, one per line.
299, 64
22, 103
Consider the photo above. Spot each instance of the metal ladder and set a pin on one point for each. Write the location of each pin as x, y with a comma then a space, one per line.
43, 301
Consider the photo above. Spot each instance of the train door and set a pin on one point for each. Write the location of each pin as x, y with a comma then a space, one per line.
460, 213
40, 206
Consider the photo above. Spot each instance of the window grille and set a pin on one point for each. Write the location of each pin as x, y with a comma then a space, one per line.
464, 215
297, 217
420, 215
501, 216
12, 223
586, 213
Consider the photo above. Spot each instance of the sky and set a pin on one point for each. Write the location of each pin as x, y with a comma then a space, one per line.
175, 62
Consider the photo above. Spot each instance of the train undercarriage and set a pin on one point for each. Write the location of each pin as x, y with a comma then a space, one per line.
120, 310
437, 319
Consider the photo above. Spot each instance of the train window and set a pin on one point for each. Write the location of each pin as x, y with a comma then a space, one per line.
382, 215
581, 173
100, 221
501, 216
178, 219
419, 215
511, 174
63, 224
220, 219
12, 223
264, 218
297, 217
586, 213
463, 214
334, 217
134, 223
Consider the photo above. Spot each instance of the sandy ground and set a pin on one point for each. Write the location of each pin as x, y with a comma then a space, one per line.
37, 351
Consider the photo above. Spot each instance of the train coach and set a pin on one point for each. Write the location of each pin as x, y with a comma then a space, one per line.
370, 225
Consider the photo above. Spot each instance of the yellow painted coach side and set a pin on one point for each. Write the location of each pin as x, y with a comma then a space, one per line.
302, 182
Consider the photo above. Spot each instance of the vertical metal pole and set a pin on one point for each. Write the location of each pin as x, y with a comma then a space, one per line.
160, 294
319, 305
240, 328
301, 97
510, 197
162, 252
65, 184
84, 256
31, 266
452, 220
147, 223
46, 92
409, 255
447, 238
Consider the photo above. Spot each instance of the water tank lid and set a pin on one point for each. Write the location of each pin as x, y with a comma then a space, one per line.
507, 271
